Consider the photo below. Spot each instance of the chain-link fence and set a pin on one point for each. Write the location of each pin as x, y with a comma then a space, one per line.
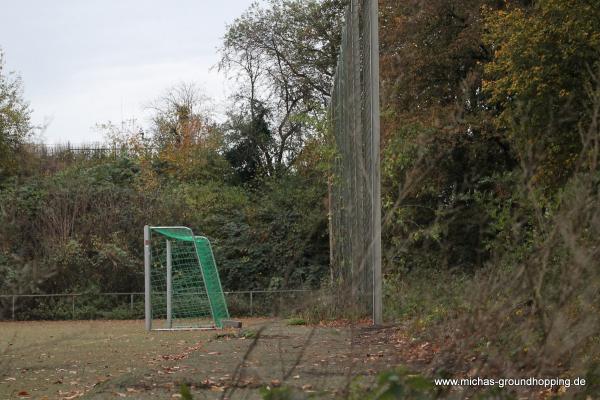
355, 220
80, 306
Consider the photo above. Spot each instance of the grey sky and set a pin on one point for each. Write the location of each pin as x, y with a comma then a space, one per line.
84, 62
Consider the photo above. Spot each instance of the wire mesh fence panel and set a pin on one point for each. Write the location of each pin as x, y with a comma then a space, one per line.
108, 306
93, 306
44, 308
278, 303
355, 219
263, 303
70, 151
72, 306
239, 303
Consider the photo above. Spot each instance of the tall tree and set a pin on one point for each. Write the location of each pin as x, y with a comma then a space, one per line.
429, 51
250, 142
181, 114
283, 55
441, 152
184, 134
15, 122
545, 57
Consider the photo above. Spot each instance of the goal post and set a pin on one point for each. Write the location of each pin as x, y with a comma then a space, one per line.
182, 285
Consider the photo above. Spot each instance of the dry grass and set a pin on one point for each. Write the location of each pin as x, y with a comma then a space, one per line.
118, 359
70, 358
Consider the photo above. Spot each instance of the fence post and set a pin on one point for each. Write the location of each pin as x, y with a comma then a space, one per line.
131, 303
13, 307
73, 307
251, 309
280, 308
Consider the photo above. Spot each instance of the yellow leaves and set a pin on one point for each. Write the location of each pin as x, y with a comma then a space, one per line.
539, 72
190, 151
535, 51
519, 312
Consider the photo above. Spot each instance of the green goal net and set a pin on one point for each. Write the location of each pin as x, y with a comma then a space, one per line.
183, 289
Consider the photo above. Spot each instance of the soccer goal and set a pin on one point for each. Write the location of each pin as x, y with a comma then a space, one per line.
182, 285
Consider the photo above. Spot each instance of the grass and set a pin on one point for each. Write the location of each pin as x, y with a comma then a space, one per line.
118, 359
248, 334
296, 321
62, 359
426, 297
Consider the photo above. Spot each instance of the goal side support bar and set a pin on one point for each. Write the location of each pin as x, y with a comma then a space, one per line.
169, 285
147, 303
148, 288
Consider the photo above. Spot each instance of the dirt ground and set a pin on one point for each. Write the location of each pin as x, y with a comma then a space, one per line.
118, 359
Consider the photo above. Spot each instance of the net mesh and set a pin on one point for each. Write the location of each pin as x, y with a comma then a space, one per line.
197, 298
355, 219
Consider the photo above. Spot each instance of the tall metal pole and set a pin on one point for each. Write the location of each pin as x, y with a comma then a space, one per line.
330, 226
376, 253
147, 304
169, 286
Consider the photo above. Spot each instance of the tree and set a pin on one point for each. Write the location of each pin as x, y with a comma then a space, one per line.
442, 157
181, 114
429, 52
184, 134
15, 120
544, 56
250, 145
284, 55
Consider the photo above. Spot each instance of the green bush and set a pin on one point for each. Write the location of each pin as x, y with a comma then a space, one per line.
426, 296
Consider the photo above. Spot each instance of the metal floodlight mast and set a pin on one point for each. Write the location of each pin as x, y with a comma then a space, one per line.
375, 115
355, 193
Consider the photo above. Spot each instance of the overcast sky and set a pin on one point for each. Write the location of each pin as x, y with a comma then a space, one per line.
87, 62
